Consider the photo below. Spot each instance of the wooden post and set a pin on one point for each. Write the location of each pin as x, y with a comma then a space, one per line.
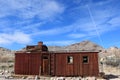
39, 70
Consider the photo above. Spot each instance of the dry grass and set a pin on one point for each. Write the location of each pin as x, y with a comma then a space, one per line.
111, 70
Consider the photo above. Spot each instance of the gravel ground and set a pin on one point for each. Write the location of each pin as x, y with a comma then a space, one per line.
57, 78
112, 73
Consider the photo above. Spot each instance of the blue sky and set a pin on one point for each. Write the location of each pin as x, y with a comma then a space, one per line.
59, 22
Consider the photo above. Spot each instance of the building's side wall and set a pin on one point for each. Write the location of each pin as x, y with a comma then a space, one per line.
36, 63
90, 68
20, 60
77, 68
27, 64
60, 66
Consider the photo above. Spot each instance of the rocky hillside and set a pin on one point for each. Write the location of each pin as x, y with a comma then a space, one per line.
81, 46
111, 52
6, 55
4, 51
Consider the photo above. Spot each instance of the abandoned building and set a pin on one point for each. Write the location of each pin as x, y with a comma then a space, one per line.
37, 60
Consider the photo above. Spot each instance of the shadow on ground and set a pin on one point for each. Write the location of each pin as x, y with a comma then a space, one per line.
110, 76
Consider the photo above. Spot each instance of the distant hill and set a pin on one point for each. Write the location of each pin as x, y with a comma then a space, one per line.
81, 46
4, 51
111, 52
6, 55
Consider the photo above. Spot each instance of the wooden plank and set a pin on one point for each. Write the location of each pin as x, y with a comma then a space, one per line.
76, 63
30, 64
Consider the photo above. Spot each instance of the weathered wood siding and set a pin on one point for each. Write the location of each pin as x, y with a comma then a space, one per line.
56, 64
27, 64
60, 66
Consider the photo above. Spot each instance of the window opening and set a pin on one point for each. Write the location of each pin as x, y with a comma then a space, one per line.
70, 59
85, 59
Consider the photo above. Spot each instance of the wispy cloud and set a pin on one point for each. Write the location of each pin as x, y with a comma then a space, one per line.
19, 19
100, 15
33, 18
29, 15
87, 27
54, 31
26, 9
15, 37
115, 22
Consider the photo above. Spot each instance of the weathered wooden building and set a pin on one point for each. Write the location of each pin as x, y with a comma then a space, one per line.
37, 60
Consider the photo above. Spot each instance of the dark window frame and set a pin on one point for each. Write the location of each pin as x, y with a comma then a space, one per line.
85, 59
69, 59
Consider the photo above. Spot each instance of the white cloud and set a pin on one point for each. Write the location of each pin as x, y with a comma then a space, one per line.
20, 37
87, 27
4, 41
32, 27
48, 32
51, 9
25, 9
16, 37
115, 21
55, 31
47, 10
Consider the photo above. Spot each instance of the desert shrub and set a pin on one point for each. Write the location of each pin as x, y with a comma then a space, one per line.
10, 66
6, 59
113, 62
3, 66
